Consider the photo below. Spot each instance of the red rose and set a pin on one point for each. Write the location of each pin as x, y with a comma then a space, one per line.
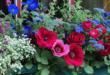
33, 39
75, 56
76, 37
108, 36
105, 51
102, 28
87, 25
45, 38
94, 33
100, 42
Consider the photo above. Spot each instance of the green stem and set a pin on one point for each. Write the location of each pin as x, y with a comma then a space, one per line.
106, 4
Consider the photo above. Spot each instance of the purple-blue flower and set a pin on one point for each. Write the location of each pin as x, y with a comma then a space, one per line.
79, 29
105, 14
33, 5
13, 9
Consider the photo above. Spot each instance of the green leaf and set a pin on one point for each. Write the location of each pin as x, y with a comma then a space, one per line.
71, 67
34, 13
96, 63
39, 66
44, 61
28, 65
38, 58
83, 65
89, 69
45, 71
109, 69
47, 54
74, 73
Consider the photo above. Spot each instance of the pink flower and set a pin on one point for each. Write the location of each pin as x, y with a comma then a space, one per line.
86, 10
45, 9
69, 20
8, 2
66, 15
51, 3
59, 49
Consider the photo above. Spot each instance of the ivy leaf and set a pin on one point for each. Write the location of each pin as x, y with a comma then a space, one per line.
45, 71
88, 69
28, 65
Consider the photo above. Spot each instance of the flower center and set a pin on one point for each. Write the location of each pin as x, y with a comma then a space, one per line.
45, 38
71, 54
13, 10
58, 49
93, 32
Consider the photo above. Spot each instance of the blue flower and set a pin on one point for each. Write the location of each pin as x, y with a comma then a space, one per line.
28, 21
33, 5
99, 29
108, 29
69, 23
105, 14
99, 10
79, 29
34, 22
88, 20
26, 28
23, 3
106, 22
66, 35
30, 1
94, 41
13, 9
99, 46
97, 22
84, 41
108, 13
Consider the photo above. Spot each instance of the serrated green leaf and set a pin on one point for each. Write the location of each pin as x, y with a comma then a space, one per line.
45, 71
89, 69
28, 65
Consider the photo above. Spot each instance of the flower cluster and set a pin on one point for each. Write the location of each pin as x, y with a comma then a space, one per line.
76, 40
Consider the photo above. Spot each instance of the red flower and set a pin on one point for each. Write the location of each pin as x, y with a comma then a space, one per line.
105, 52
33, 39
87, 25
108, 36
76, 37
75, 56
102, 28
45, 38
94, 33
100, 42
